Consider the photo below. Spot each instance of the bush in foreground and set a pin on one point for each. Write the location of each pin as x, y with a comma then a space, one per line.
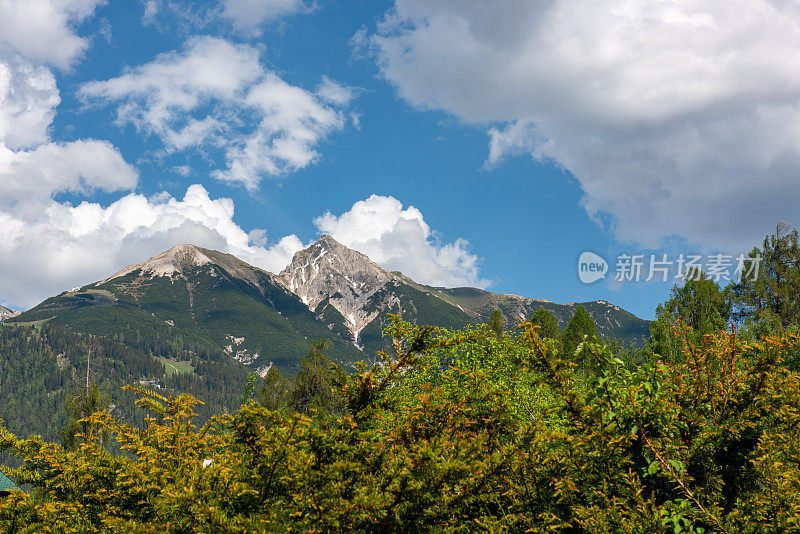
454, 431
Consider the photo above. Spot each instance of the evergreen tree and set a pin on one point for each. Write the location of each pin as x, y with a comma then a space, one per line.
773, 298
312, 388
580, 325
698, 306
497, 324
547, 323
79, 406
274, 390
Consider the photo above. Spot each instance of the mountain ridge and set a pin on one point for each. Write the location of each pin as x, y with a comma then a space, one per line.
192, 296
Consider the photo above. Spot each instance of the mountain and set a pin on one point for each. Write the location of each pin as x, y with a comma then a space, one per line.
5, 313
612, 321
190, 297
190, 300
328, 274
352, 295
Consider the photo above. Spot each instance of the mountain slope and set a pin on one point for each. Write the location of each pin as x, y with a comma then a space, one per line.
352, 295
612, 321
191, 296
41, 365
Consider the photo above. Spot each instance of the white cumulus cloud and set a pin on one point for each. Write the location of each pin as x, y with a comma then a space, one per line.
48, 245
44, 30
211, 93
33, 34
63, 245
248, 16
28, 98
676, 117
30, 178
59, 245
399, 239
292, 122
217, 93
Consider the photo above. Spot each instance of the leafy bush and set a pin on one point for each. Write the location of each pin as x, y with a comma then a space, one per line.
451, 432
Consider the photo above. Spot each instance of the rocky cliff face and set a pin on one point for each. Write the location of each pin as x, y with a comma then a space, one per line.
346, 279
5, 313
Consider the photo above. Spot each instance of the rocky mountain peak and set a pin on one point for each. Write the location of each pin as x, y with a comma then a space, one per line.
327, 241
5, 313
180, 259
168, 263
328, 270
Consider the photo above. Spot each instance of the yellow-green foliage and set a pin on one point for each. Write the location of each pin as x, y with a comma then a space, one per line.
454, 431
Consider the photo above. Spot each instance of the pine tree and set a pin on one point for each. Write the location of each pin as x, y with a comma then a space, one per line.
79, 406
547, 323
695, 308
496, 323
580, 327
312, 388
773, 298
274, 390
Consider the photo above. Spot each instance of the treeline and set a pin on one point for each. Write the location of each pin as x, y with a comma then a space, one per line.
757, 306
764, 300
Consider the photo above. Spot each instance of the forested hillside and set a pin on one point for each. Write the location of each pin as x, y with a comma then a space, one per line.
41, 366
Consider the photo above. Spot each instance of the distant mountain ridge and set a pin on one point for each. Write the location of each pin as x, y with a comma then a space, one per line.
189, 296
612, 321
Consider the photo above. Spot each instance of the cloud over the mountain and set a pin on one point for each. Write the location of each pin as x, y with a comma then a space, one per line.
48, 245
399, 239
677, 118
212, 95
56, 246
216, 93
48, 251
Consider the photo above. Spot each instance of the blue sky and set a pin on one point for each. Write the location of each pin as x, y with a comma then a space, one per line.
517, 149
